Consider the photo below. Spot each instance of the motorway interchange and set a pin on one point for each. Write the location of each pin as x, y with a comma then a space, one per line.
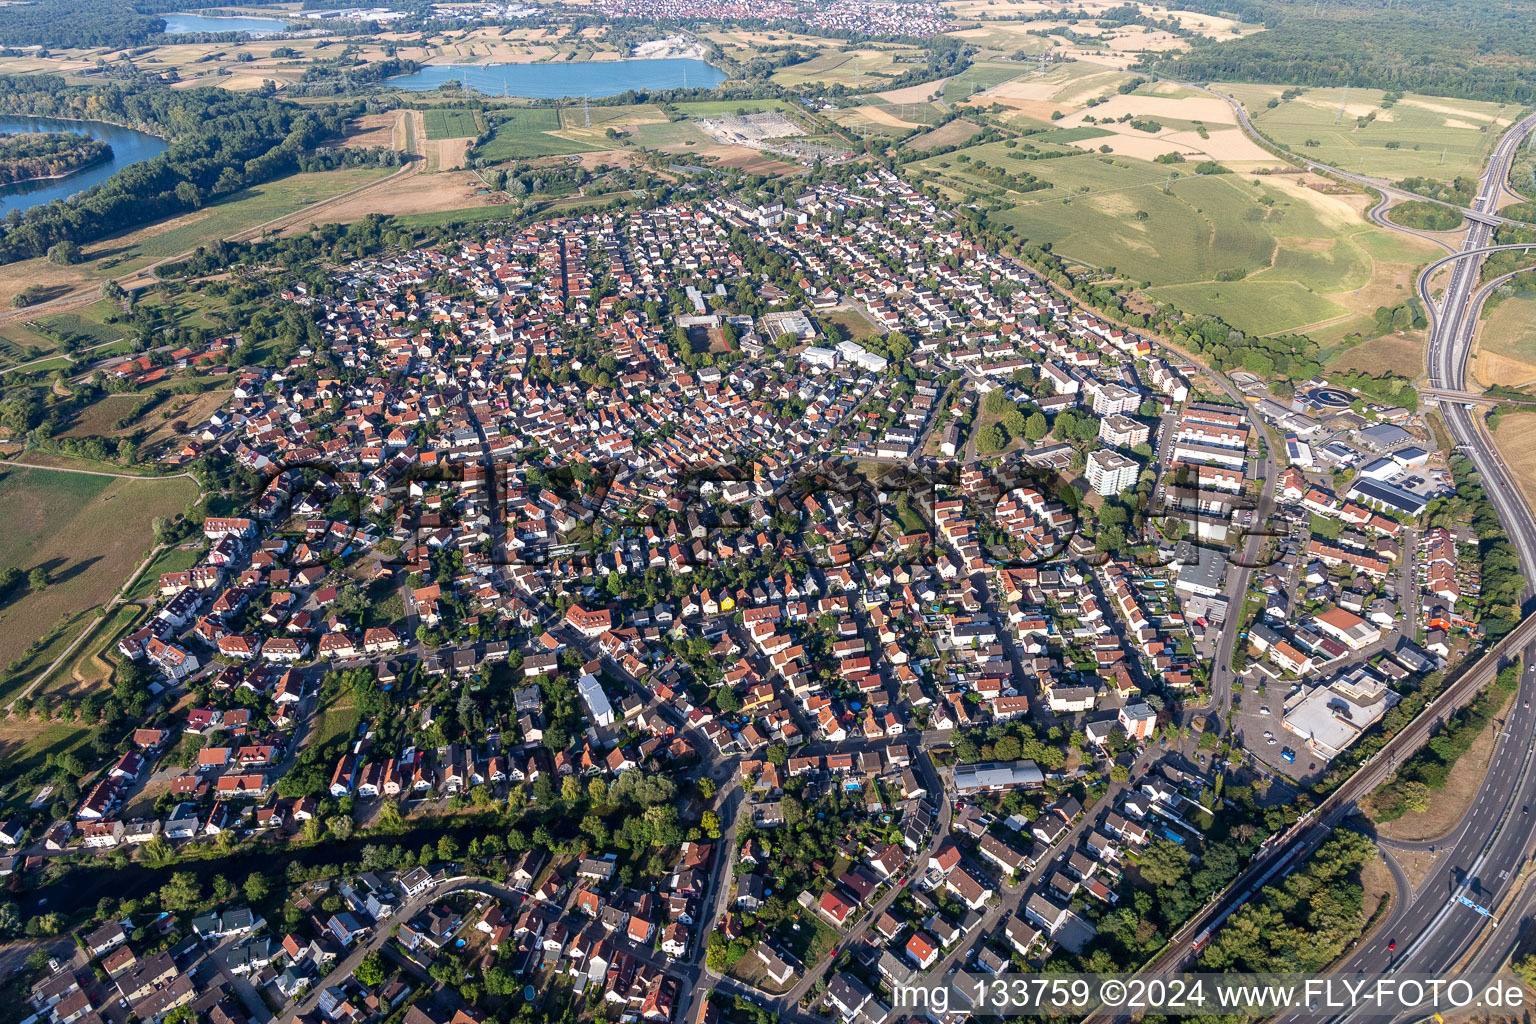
1468, 913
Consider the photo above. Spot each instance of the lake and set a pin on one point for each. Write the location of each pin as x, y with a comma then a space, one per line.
128, 147
181, 24
585, 78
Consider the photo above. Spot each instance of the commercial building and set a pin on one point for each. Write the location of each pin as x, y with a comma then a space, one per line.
1331, 716
996, 775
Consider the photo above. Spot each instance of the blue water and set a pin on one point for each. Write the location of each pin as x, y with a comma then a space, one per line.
587, 78
128, 147
181, 24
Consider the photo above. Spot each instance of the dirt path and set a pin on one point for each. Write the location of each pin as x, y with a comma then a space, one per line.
145, 276
97, 472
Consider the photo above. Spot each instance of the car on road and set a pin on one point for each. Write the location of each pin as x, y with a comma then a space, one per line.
1392, 946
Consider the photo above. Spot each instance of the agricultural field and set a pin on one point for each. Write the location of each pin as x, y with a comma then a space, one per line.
1515, 437
72, 325
1506, 342
858, 68
92, 663
669, 136
1156, 119
97, 419
47, 513
450, 124
874, 120
530, 132
413, 195
715, 108
1036, 94
1402, 354
137, 249
25, 744
953, 133
1006, 26
920, 112
980, 76
170, 560
1302, 259
247, 64
1428, 136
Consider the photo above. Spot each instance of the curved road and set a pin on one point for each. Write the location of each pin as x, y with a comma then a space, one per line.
1483, 857
1489, 847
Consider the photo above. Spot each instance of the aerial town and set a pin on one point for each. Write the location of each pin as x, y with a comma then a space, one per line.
720, 661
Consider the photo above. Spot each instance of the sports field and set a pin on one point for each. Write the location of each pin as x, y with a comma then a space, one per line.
1429, 136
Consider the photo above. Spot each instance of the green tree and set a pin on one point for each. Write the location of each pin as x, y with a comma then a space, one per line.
257, 888
1035, 428
991, 440
183, 892
370, 971
1164, 863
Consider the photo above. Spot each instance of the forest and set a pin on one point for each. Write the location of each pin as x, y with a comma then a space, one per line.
1441, 47
58, 24
221, 142
1303, 922
28, 156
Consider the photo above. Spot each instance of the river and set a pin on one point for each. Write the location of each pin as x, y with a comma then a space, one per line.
128, 147
584, 78
183, 24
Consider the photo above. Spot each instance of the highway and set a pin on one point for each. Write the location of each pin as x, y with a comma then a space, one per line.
1493, 841
1484, 855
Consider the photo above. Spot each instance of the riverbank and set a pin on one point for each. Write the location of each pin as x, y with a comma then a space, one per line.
78, 887
128, 145
101, 156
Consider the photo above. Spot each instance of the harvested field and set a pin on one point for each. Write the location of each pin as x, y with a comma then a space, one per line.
749, 160
952, 134
450, 153
914, 93
1515, 437
48, 513
381, 130
420, 193
1489, 368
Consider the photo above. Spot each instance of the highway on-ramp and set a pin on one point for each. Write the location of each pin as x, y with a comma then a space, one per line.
1434, 931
